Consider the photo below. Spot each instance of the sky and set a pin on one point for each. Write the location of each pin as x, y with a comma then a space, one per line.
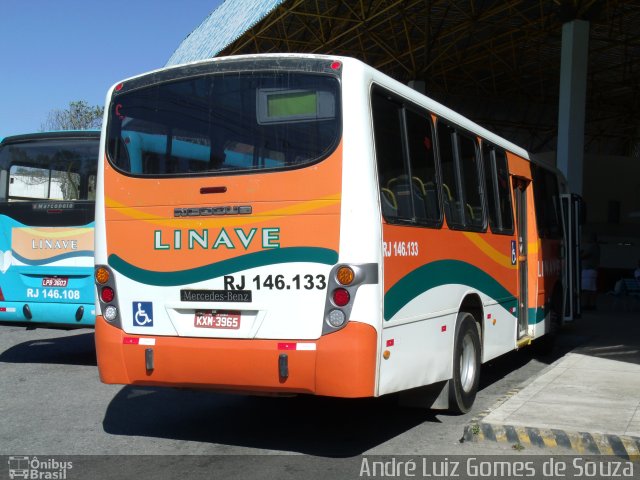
53, 52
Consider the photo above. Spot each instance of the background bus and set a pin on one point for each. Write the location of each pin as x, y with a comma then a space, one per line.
306, 224
47, 202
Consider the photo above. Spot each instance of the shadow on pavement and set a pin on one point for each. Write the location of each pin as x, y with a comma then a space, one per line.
335, 427
305, 424
74, 349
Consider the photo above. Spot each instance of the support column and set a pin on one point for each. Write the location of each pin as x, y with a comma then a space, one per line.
573, 89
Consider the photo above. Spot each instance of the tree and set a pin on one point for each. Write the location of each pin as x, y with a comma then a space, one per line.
79, 116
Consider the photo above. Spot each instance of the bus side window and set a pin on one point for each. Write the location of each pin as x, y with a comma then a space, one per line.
450, 192
406, 161
504, 191
498, 190
423, 167
470, 173
546, 197
394, 191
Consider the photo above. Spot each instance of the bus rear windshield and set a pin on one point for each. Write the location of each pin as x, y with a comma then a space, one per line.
50, 169
224, 123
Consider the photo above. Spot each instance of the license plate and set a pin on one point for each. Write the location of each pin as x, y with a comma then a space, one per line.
217, 319
55, 281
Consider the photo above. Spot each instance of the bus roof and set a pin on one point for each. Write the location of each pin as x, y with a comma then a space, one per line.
28, 137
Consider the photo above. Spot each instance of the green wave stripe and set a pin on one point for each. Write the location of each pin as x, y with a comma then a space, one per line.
435, 274
225, 267
536, 315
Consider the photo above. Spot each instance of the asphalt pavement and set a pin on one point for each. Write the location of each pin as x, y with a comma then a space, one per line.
581, 399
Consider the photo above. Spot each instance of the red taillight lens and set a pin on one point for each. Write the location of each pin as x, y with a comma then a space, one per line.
341, 297
1, 296
107, 294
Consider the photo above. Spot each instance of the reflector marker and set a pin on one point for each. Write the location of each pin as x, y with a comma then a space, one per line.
7, 309
296, 346
138, 341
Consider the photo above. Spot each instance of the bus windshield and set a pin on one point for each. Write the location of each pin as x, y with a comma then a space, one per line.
224, 123
53, 169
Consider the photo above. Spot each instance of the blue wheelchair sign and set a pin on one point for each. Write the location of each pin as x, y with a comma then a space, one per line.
142, 314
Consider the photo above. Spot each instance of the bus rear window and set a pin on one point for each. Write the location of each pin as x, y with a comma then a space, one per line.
224, 123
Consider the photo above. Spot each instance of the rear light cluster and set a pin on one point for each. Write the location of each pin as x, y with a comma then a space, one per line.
105, 285
343, 284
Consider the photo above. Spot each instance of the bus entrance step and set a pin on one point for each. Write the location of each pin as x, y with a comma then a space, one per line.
523, 341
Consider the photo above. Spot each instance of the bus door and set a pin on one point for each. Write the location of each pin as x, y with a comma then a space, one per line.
572, 218
520, 186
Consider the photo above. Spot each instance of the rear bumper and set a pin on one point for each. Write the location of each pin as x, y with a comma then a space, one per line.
43, 314
342, 364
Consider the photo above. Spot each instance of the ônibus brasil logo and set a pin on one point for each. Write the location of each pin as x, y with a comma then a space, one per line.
35, 468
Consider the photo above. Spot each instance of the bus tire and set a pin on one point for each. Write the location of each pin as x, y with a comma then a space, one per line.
466, 365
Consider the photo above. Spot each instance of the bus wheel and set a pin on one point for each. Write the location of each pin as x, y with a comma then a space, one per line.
466, 365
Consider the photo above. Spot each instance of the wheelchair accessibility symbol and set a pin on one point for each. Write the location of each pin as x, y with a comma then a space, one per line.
143, 314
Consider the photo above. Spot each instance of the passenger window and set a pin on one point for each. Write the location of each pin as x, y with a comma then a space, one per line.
470, 173
423, 167
394, 198
461, 187
498, 189
504, 191
547, 202
450, 191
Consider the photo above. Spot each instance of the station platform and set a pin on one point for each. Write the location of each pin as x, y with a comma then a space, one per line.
586, 401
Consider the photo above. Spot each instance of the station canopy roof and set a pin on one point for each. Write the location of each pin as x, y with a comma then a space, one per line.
495, 61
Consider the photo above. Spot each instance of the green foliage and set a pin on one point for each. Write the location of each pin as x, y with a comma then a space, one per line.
79, 116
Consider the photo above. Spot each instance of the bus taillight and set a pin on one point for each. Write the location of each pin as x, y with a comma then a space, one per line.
1, 295
344, 282
107, 294
106, 289
341, 297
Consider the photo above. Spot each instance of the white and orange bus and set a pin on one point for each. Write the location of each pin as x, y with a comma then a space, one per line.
306, 224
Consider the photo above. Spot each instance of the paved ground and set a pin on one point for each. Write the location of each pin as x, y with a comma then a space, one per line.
52, 404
